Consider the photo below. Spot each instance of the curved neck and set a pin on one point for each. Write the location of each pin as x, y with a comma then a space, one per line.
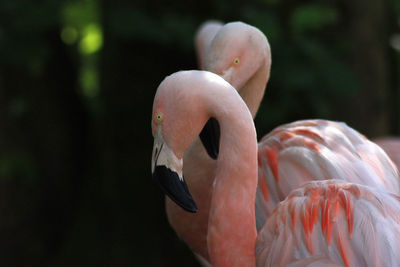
232, 230
203, 39
253, 91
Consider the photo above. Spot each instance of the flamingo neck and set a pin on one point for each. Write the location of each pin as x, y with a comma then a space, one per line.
232, 231
253, 91
203, 39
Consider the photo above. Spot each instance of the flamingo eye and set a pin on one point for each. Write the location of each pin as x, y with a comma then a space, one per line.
159, 117
236, 61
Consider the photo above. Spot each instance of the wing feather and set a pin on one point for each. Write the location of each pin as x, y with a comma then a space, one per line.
356, 225
303, 151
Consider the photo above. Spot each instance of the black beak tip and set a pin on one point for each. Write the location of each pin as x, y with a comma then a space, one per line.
175, 188
189, 207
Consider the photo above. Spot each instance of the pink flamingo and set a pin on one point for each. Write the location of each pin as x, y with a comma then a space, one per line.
391, 145
199, 168
238, 52
175, 127
322, 222
231, 43
192, 227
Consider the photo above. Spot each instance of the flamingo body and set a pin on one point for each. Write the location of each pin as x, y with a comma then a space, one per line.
332, 222
302, 151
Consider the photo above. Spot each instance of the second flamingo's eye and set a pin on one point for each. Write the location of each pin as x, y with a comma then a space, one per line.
236, 61
159, 117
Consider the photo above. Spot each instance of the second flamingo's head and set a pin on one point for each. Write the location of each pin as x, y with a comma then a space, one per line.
180, 111
237, 51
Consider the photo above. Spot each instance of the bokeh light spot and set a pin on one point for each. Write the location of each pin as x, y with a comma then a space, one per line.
69, 35
92, 39
89, 82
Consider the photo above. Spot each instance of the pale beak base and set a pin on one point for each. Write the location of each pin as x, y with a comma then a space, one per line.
167, 172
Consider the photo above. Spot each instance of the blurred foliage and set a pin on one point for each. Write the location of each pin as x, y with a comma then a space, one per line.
77, 80
312, 17
81, 26
17, 167
308, 66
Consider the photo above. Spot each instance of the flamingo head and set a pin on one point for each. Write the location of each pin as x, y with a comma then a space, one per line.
237, 51
179, 114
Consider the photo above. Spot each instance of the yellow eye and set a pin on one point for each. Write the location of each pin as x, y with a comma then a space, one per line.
159, 117
236, 61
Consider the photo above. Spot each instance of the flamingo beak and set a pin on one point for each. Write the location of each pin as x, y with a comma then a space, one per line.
227, 74
209, 136
167, 172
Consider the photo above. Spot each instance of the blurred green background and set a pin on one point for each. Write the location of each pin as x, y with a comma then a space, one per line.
77, 81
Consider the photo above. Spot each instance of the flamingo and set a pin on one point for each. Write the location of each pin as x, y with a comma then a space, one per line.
199, 95
358, 157
199, 168
391, 145
327, 222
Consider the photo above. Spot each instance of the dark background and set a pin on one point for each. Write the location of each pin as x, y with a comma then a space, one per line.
77, 81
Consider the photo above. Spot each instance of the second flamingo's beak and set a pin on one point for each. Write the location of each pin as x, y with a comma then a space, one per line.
167, 172
227, 74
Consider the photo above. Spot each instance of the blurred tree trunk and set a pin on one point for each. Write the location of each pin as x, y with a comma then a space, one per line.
369, 111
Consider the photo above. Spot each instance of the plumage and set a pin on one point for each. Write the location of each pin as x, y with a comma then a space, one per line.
334, 222
308, 150
320, 223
